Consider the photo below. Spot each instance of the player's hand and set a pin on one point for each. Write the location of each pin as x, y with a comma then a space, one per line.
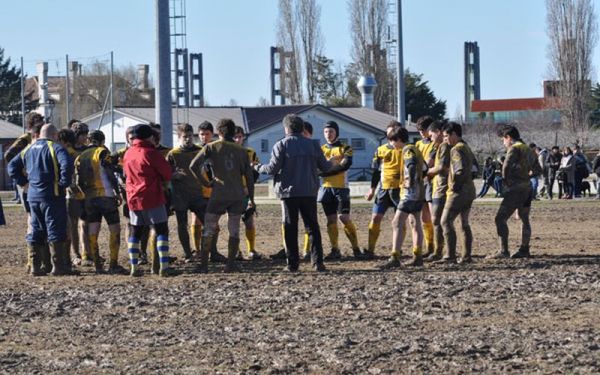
178, 174
370, 194
119, 199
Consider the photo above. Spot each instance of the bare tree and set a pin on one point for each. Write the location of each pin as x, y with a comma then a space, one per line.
572, 30
287, 32
368, 26
308, 16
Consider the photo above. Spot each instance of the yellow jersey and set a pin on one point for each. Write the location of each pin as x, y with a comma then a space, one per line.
387, 160
94, 174
412, 167
336, 152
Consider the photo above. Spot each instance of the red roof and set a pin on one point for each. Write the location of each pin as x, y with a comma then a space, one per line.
503, 105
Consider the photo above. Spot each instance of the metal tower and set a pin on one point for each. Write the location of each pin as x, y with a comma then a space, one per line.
472, 84
395, 60
179, 57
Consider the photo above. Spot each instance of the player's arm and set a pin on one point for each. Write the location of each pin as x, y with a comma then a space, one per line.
16, 170
197, 166
276, 161
343, 165
16, 148
108, 163
459, 169
444, 157
510, 161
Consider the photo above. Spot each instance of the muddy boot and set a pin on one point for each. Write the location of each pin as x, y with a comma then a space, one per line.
368, 255
35, 259
57, 256
67, 263
416, 261
215, 256
392, 263
503, 253
45, 257
358, 255
335, 254
254, 255
205, 245
435, 256
233, 247
523, 252
281, 255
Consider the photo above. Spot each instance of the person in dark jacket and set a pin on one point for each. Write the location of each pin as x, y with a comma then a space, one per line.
147, 170
488, 177
581, 170
45, 167
553, 164
295, 163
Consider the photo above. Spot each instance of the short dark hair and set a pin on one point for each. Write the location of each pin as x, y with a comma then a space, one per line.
423, 122
33, 118
80, 128
71, 123
294, 123
36, 128
556, 148
239, 130
532, 145
97, 136
184, 128
308, 127
226, 127
509, 130
205, 125
66, 136
453, 128
393, 124
399, 134
436, 126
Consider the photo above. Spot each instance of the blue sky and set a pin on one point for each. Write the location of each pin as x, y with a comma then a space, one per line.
235, 35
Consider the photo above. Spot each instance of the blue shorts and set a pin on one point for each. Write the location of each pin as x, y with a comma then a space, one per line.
385, 199
410, 207
334, 200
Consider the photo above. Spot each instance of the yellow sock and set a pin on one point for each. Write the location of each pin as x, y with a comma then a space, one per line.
307, 243
196, 234
428, 232
374, 230
250, 239
152, 246
114, 244
283, 236
94, 247
350, 230
417, 251
396, 254
332, 231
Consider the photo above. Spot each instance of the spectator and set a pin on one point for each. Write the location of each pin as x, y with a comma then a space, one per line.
553, 164
498, 176
567, 173
488, 177
582, 170
596, 170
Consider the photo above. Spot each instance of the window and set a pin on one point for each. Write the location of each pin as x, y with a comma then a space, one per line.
264, 145
358, 143
343, 140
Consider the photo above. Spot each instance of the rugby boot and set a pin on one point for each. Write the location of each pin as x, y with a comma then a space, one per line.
215, 256
465, 260
169, 272
435, 256
392, 263
319, 267
368, 255
281, 255
233, 247
117, 269
523, 252
66, 259
254, 255
239, 256
358, 255
501, 254
335, 254
306, 256
446, 260
35, 259
416, 261
136, 272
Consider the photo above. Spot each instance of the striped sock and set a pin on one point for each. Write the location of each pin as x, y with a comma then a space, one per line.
162, 246
133, 249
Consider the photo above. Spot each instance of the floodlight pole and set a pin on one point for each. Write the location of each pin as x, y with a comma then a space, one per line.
23, 97
400, 67
163, 112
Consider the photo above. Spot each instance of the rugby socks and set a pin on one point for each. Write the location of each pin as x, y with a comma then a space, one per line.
374, 230
350, 230
428, 232
133, 250
332, 231
162, 245
417, 251
114, 244
94, 248
250, 239
196, 232
307, 243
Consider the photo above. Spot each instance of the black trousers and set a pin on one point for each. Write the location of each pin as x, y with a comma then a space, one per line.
307, 208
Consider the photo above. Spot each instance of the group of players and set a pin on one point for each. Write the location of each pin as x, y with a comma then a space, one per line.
428, 184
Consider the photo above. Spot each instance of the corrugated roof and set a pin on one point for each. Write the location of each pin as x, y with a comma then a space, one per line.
504, 105
8, 130
371, 117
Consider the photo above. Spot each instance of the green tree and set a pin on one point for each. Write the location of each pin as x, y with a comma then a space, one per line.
331, 86
10, 90
420, 100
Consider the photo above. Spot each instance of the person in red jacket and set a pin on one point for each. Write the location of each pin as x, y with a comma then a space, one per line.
146, 170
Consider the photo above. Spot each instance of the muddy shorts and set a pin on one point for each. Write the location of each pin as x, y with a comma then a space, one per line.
76, 209
334, 200
517, 198
457, 202
410, 207
220, 207
385, 199
102, 207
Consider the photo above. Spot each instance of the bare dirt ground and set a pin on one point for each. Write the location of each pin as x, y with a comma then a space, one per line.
531, 316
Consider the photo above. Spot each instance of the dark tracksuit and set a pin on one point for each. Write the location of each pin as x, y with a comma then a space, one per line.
295, 162
47, 167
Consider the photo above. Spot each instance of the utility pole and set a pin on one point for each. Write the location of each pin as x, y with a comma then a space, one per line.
400, 67
163, 111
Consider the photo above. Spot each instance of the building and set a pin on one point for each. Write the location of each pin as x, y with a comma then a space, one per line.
472, 75
362, 128
9, 132
518, 109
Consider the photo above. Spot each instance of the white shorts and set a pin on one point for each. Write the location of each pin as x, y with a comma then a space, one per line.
152, 216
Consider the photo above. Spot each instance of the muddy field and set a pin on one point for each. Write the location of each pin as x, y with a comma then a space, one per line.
532, 316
